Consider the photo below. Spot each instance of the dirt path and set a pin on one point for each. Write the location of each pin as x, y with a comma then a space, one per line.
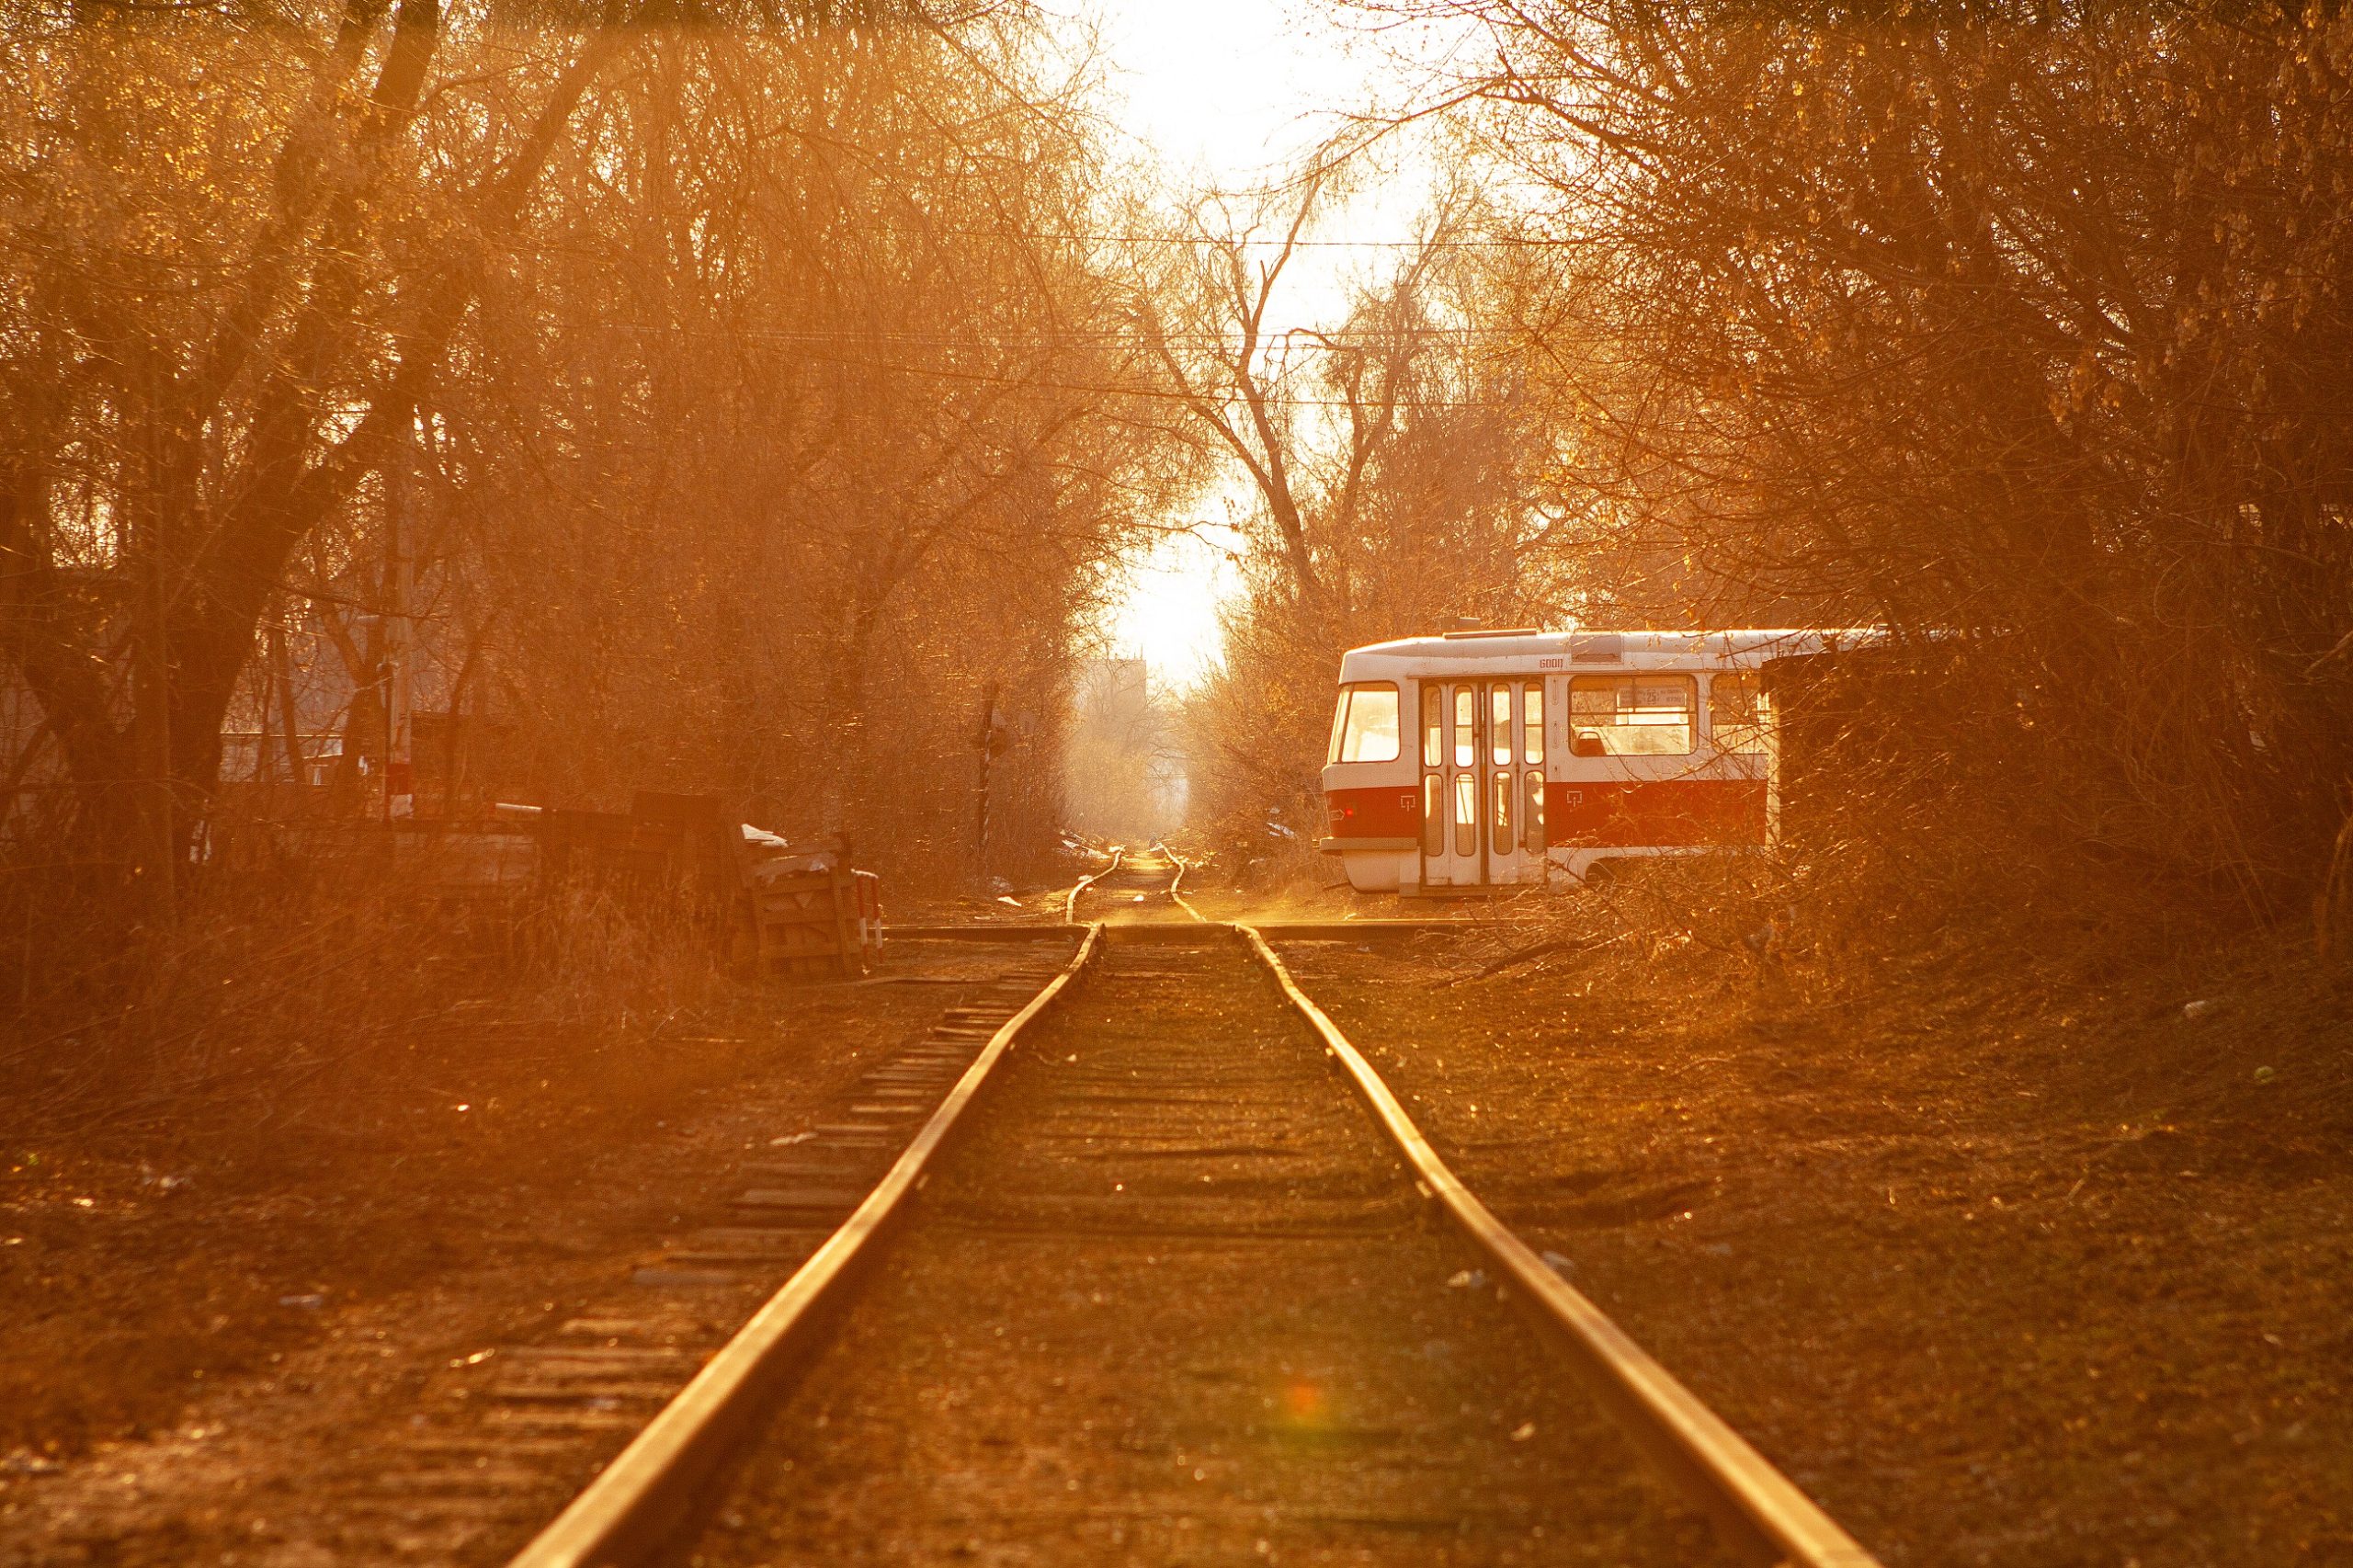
1174, 1301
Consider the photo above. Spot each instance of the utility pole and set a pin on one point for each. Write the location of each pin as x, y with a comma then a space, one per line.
157, 861
158, 852
986, 743
399, 773
290, 712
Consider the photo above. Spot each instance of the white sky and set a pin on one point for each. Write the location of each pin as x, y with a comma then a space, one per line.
1223, 93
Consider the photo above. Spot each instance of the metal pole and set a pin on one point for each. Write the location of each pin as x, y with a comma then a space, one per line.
400, 779
152, 688
985, 743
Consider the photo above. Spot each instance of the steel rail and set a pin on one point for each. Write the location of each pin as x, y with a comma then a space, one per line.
1276, 931
1759, 1513
1177, 880
625, 1513
1070, 909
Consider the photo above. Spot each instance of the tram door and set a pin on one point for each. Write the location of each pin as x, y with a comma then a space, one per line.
1483, 782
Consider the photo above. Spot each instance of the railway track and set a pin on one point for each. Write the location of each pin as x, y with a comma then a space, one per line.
480, 1451
1144, 883
1163, 1284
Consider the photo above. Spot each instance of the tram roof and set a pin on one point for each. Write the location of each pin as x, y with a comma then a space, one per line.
1584, 649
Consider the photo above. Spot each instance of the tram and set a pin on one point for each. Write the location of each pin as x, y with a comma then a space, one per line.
1478, 760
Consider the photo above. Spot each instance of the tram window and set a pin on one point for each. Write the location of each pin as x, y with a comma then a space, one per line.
1466, 813
1499, 725
1737, 712
1534, 821
1531, 714
1367, 728
1504, 793
1466, 726
1433, 715
1433, 815
1634, 715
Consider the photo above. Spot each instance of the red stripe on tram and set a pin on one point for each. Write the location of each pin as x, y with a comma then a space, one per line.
1668, 814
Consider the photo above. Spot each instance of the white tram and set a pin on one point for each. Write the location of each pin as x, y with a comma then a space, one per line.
1482, 759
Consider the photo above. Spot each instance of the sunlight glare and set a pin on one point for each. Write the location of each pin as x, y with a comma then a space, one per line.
1224, 94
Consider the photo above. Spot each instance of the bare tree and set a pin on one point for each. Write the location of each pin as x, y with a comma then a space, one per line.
2010, 329
1390, 467
173, 445
736, 391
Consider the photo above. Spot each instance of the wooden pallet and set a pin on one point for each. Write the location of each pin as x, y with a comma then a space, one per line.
808, 924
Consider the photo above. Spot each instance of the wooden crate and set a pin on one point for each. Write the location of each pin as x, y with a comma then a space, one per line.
806, 923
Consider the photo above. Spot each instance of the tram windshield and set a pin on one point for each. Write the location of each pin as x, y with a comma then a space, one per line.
1365, 728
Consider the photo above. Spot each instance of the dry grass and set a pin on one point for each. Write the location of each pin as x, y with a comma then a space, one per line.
1694, 933
271, 986
257, 1104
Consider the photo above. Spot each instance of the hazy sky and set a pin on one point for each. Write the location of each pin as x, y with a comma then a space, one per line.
1230, 85
1224, 91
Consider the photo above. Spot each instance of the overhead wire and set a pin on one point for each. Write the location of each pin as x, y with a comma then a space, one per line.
1497, 242
1165, 394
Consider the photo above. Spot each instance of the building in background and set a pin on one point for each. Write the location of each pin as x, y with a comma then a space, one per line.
1123, 777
